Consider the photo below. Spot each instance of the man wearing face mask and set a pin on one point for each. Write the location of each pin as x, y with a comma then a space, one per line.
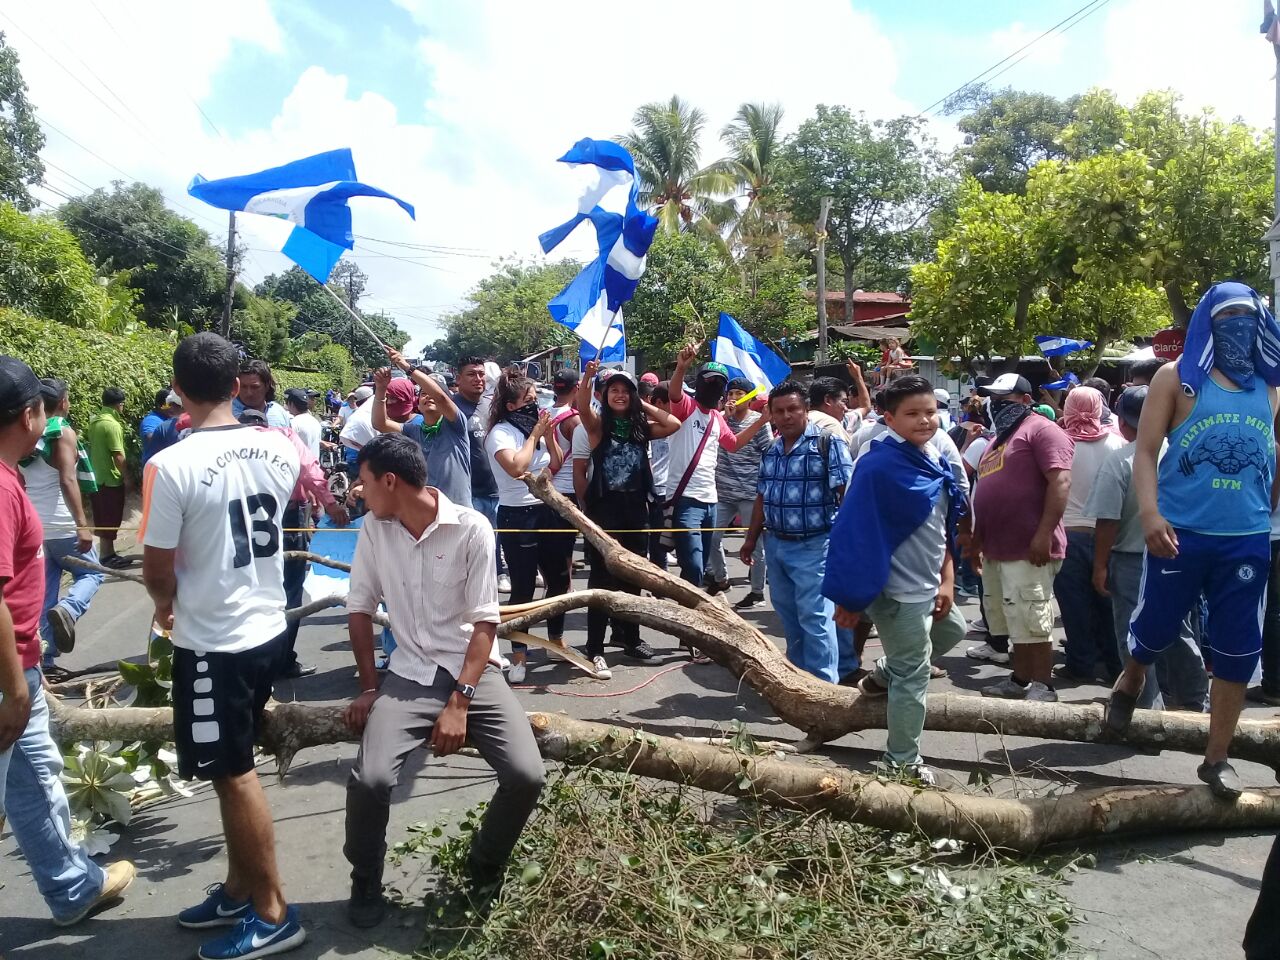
1025, 477
1205, 508
691, 480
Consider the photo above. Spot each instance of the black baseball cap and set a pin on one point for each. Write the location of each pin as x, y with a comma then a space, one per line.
1129, 405
18, 385
298, 395
566, 378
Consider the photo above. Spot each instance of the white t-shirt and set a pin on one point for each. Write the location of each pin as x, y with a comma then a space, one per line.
307, 428
684, 443
1086, 461
358, 430
973, 453
44, 490
218, 498
512, 491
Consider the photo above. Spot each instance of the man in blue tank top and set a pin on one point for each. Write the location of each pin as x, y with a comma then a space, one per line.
1205, 508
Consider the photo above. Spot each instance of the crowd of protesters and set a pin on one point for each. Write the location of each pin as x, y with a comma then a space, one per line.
1147, 512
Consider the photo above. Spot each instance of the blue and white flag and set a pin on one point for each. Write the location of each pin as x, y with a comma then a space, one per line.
1060, 346
311, 193
591, 304
1066, 383
745, 356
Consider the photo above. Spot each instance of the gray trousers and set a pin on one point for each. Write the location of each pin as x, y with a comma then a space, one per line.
1179, 670
400, 721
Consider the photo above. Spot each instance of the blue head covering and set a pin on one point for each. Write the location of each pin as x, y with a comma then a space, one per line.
1198, 356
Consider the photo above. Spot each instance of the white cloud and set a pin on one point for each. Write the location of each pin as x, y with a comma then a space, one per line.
1212, 53
1047, 52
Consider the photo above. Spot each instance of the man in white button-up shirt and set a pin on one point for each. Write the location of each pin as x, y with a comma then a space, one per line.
431, 561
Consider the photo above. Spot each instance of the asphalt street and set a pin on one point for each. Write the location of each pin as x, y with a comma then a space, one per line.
1181, 897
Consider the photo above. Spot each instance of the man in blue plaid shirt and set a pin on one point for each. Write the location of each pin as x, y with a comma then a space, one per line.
802, 478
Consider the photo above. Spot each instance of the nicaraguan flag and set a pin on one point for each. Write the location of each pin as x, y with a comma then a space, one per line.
1066, 383
311, 193
745, 356
1060, 346
591, 304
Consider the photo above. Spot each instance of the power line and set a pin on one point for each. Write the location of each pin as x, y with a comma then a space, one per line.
1087, 10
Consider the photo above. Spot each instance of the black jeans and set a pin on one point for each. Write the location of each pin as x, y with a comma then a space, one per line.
528, 552
295, 517
615, 511
657, 519
1262, 935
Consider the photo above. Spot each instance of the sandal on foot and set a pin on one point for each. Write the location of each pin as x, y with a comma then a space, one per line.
1222, 779
1119, 712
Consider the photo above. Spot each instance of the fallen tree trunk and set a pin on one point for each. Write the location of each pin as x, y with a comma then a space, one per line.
1020, 825
825, 711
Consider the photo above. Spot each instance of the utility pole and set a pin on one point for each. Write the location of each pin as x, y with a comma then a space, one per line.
231, 275
820, 228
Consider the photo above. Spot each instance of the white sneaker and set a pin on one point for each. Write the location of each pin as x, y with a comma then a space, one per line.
1038, 691
538, 581
602, 669
924, 774
504, 584
984, 651
517, 672
1007, 689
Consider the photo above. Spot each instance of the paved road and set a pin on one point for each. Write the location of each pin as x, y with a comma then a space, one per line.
1179, 898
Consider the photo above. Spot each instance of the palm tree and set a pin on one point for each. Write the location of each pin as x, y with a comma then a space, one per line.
754, 137
664, 145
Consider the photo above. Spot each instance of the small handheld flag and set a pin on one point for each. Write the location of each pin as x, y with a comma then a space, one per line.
1060, 346
1066, 383
591, 304
312, 193
745, 356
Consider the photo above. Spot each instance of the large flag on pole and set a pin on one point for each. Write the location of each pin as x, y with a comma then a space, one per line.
1060, 346
311, 193
591, 304
745, 356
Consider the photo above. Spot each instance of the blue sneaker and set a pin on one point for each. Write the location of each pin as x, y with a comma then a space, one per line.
218, 910
256, 938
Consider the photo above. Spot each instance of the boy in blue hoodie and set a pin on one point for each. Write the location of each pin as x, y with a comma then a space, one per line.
890, 558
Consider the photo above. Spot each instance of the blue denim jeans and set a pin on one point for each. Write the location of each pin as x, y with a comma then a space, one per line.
796, 568
489, 507
725, 512
692, 549
1087, 618
32, 797
84, 584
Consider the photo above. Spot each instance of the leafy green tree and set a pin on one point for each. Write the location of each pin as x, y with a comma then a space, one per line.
44, 273
21, 138
315, 351
883, 178
317, 312
664, 146
178, 273
508, 317
775, 307
685, 286
262, 325
758, 228
1008, 132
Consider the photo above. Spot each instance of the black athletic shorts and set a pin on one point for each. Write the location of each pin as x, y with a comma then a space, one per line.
217, 708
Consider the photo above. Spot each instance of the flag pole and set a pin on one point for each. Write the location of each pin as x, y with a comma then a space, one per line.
354, 316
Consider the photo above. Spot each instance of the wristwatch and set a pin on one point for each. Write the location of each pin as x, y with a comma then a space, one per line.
466, 689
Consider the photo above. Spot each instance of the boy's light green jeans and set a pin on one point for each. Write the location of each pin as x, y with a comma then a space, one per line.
911, 640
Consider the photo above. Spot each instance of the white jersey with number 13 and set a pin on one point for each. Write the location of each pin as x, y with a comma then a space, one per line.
218, 497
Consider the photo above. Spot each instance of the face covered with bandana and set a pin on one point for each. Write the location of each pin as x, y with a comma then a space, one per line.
1235, 331
708, 389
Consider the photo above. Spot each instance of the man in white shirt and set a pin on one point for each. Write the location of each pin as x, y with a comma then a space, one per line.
212, 562
444, 684
298, 402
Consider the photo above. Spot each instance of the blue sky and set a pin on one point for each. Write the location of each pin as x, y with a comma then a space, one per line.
462, 107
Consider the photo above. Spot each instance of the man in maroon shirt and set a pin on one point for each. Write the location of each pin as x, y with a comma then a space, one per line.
31, 793
1019, 497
